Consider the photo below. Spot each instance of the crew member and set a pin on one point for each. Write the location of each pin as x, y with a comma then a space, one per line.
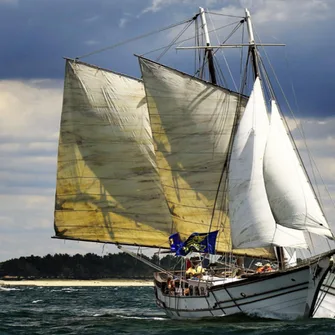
267, 268
259, 267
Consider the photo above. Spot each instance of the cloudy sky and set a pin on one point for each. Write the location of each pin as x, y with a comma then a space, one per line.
36, 34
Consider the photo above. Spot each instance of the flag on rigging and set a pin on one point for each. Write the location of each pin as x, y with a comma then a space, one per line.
203, 242
175, 242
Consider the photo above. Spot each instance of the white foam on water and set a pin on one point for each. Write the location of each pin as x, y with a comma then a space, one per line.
9, 289
131, 317
141, 317
269, 315
69, 289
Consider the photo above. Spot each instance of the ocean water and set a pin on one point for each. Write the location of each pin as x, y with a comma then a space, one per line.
122, 310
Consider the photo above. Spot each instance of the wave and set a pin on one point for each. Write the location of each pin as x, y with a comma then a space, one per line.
142, 317
70, 289
9, 289
127, 314
65, 289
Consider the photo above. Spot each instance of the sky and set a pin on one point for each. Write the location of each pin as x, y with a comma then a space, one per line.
35, 35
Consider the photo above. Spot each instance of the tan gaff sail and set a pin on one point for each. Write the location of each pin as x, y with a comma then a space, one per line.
108, 188
192, 123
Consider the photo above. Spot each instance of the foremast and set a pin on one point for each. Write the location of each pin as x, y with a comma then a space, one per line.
209, 50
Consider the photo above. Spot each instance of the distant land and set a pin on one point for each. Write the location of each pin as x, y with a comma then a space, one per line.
79, 267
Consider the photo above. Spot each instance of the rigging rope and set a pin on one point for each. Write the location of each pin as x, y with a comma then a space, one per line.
312, 161
188, 39
221, 14
137, 38
221, 50
173, 41
323, 295
241, 58
303, 133
198, 43
145, 261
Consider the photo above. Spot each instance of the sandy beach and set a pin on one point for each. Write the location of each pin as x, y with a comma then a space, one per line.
56, 282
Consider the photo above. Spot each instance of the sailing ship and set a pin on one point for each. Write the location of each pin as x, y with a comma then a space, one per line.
172, 161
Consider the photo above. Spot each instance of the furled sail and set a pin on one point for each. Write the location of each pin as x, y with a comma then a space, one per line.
192, 124
252, 222
108, 188
290, 195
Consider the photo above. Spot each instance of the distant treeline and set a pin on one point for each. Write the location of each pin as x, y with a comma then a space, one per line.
89, 266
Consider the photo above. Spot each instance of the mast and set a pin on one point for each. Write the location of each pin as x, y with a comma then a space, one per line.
252, 45
254, 58
208, 51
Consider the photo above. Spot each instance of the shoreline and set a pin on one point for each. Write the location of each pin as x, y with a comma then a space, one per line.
77, 282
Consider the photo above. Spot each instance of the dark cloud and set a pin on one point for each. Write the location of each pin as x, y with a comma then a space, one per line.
36, 34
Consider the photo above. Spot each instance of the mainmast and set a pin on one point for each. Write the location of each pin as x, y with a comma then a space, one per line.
209, 50
252, 44
254, 57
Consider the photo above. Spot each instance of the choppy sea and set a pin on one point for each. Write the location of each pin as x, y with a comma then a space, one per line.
122, 310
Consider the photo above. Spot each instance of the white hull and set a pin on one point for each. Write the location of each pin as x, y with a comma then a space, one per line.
280, 295
325, 305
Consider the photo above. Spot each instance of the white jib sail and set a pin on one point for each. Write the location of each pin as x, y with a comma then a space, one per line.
252, 222
290, 195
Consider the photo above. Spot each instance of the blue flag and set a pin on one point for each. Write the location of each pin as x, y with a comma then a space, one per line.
175, 242
203, 242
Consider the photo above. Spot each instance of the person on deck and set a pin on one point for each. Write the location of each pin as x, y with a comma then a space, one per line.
259, 267
195, 271
171, 286
188, 264
267, 268
199, 271
190, 272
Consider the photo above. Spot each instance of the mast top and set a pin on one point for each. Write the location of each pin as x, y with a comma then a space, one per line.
208, 50
250, 30
252, 44
204, 25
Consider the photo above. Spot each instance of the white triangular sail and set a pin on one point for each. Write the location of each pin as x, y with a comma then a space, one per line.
252, 222
290, 195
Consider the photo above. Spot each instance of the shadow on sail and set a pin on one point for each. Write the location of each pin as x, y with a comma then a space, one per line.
108, 188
